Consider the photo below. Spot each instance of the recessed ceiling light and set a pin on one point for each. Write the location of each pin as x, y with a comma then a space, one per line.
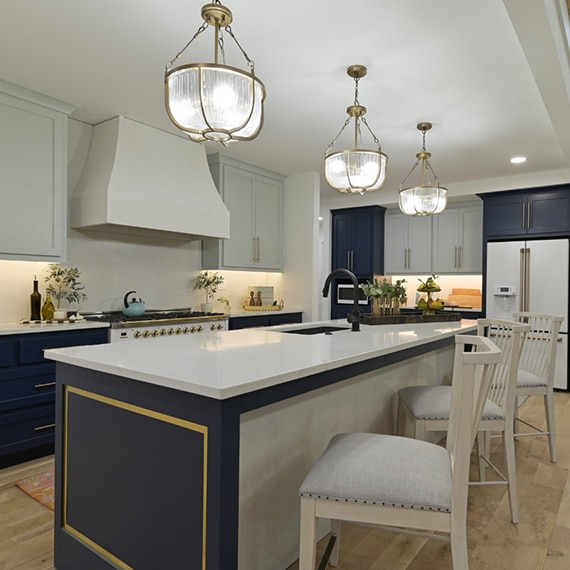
518, 159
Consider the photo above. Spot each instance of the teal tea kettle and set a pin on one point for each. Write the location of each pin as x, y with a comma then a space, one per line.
134, 308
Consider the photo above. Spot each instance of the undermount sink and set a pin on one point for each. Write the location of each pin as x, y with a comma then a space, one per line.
324, 329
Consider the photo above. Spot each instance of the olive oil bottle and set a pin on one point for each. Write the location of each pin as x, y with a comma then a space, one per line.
48, 309
35, 303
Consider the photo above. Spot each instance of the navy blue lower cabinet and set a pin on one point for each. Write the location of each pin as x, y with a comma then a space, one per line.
27, 391
260, 320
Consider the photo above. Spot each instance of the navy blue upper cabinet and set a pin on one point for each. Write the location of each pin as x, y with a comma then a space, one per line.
536, 211
358, 240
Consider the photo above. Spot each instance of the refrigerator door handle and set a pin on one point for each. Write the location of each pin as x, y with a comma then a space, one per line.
522, 293
527, 280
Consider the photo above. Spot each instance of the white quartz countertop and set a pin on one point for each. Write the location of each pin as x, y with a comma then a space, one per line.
224, 364
24, 328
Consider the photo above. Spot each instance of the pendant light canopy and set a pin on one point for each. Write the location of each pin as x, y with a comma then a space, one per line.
355, 170
213, 101
428, 197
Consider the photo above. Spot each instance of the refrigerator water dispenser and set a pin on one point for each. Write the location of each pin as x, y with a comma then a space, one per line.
505, 291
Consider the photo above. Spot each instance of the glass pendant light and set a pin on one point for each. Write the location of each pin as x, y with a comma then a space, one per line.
213, 101
355, 170
428, 197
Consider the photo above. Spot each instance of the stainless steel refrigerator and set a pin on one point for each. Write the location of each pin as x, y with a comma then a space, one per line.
531, 275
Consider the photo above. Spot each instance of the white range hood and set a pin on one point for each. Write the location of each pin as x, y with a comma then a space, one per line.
141, 180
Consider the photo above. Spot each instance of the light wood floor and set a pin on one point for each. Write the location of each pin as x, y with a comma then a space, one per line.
541, 541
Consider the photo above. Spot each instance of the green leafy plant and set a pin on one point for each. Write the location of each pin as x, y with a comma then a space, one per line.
376, 288
64, 284
386, 297
385, 289
209, 282
399, 291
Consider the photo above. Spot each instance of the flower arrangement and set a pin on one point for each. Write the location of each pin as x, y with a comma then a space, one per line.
386, 297
209, 282
64, 285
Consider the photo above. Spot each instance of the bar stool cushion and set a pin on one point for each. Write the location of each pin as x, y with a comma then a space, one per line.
384, 470
433, 403
529, 380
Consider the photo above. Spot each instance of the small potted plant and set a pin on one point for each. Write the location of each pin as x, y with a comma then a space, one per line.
399, 295
209, 282
379, 292
63, 284
386, 297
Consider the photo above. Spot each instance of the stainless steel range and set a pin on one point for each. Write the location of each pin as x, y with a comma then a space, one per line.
153, 324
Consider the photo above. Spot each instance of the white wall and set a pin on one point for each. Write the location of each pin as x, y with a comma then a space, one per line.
301, 252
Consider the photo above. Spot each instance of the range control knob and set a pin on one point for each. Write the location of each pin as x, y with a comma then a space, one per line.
178, 330
138, 334
162, 332
220, 326
170, 331
155, 332
193, 330
186, 330
146, 334
199, 328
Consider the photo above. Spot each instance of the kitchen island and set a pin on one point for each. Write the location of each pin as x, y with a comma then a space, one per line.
188, 452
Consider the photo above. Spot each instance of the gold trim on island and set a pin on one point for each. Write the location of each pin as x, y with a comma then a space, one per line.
148, 413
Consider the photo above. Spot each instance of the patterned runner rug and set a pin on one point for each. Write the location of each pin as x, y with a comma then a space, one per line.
40, 487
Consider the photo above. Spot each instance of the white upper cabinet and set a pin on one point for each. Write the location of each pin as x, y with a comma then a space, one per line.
450, 242
254, 198
33, 175
458, 240
407, 244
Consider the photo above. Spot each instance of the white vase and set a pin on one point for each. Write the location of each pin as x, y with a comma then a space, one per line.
206, 307
60, 314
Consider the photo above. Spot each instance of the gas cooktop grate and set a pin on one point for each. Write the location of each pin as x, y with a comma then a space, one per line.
173, 316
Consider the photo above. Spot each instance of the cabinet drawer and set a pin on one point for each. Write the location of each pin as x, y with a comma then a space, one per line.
248, 322
27, 428
8, 352
31, 349
285, 319
23, 388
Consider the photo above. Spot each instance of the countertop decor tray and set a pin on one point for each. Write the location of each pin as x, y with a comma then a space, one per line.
262, 308
368, 319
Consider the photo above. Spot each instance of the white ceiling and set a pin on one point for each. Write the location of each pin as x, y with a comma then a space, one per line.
492, 76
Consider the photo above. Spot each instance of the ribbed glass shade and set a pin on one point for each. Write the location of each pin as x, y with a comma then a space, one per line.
423, 200
356, 171
215, 102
